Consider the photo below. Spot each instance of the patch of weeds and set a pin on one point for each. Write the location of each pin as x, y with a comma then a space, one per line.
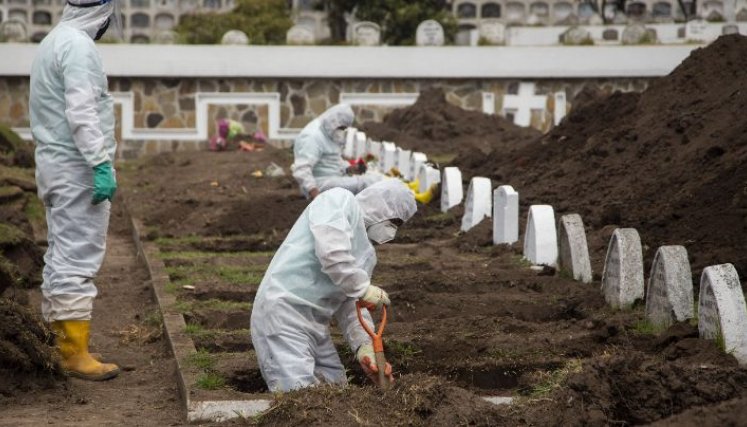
646, 327
154, 319
198, 331
403, 351
212, 304
34, 209
721, 342
240, 275
552, 380
564, 273
189, 275
521, 261
202, 359
172, 288
188, 255
210, 381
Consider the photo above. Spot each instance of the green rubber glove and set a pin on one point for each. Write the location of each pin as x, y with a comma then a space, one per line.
104, 183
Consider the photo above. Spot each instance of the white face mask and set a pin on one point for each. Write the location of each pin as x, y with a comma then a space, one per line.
338, 136
382, 232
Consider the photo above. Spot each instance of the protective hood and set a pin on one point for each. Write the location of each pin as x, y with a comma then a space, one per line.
386, 200
335, 117
89, 19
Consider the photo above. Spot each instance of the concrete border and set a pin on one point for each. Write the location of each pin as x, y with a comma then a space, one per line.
182, 346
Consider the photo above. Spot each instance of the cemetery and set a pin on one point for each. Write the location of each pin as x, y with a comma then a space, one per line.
589, 275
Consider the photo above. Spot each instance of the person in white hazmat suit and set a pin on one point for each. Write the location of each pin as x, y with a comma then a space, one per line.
72, 123
319, 272
318, 164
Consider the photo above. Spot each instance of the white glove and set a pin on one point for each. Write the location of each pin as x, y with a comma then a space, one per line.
375, 297
367, 358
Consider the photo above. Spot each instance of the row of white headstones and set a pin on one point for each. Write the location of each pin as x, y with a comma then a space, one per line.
722, 313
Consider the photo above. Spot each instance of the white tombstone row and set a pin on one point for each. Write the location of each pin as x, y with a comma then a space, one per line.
359, 146
505, 215
429, 33
373, 148
669, 297
477, 207
388, 159
574, 251
540, 237
622, 280
367, 34
452, 191
427, 177
348, 151
722, 314
403, 163
418, 159
299, 34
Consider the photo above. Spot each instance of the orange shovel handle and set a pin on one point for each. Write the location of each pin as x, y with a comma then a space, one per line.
376, 338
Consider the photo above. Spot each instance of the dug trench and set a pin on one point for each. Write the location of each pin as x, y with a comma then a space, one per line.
467, 320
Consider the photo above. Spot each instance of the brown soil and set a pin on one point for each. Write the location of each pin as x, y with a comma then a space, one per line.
415, 400
669, 161
436, 127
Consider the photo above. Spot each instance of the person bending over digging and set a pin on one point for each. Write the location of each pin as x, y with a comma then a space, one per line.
318, 164
322, 268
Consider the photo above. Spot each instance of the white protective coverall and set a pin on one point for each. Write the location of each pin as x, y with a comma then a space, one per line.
317, 152
320, 270
72, 123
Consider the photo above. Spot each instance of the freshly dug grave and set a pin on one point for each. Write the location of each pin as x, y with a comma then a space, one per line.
668, 162
414, 400
436, 127
26, 358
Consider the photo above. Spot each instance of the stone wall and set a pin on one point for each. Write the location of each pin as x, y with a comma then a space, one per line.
165, 103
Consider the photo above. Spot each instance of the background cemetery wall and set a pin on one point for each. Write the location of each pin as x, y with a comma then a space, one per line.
157, 112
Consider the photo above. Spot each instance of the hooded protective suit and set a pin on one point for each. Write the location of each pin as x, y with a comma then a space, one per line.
317, 154
72, 123
320, 270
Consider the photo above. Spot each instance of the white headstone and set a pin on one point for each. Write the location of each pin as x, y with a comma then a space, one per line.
669, 297
493, 31
488, 102
299, 34
235, 37
403, 163
721, 310
697, 30
730, 29
427, 177
452, 191
478, 204
417, 160
348, 150
633, 34
359, 146
367, 34
622, 280
14, 31
505, 215
561, 107
374, 149
522, 104
541, 237
574, 252
429, 33
388, 158
576, 36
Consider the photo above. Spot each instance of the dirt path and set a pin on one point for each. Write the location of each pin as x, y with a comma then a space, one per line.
126, 330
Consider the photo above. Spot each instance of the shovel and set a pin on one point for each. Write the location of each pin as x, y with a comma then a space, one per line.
377, 341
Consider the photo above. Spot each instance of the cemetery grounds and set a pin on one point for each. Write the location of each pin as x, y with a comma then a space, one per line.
468, 319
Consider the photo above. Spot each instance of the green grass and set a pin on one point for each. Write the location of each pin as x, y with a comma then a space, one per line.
721, 342
154, 318
404, 351
34, 209
521, 261
190, 255
552, 380
202, 359
565, 274
646, 327
235, 275
212, 304
210, 381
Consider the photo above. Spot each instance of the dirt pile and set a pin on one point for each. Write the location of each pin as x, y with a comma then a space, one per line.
25, 356
669, 161
415, 400
434, 126
637, 388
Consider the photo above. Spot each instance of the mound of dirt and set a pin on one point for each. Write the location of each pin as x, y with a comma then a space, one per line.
414, 400
434, 126
642, 387
669, 161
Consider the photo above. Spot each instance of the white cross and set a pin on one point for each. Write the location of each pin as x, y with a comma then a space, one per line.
523, 104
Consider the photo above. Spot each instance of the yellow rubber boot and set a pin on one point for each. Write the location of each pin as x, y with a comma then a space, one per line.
414, 185
71, 337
